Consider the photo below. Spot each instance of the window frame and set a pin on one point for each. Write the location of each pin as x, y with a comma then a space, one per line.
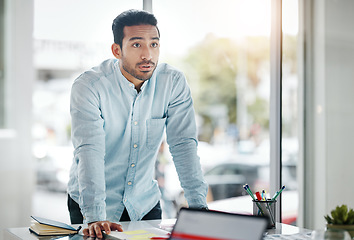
2, 64
275, 118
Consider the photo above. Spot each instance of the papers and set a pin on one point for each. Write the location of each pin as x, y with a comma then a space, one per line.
296, 236
140, 234
167, 224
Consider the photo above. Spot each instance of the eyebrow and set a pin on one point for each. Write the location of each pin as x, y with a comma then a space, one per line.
140, 38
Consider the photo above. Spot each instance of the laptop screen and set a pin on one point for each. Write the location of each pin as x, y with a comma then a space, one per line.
215, 225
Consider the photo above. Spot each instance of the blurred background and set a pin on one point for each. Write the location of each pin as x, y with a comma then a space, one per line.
223, 47
225, 54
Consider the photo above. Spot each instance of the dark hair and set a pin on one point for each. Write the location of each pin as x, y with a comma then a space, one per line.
131, 17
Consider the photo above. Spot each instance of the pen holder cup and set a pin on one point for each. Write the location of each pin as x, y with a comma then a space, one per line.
265, 208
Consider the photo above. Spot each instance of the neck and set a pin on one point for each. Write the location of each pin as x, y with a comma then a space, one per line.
137, 83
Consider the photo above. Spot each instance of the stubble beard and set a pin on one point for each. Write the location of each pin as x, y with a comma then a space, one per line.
134, 73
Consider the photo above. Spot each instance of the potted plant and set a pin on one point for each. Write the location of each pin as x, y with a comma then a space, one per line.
341, 218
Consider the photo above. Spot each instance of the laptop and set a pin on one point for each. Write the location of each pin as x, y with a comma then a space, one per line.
200, 224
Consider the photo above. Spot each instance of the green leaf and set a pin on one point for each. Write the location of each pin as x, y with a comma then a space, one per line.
328, 219
350, 217
335, 216
344, 213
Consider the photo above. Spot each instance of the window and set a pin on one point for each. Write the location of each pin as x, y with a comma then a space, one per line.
224, 50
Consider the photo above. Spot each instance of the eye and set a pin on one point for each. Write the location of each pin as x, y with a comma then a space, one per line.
136, 45
154, 45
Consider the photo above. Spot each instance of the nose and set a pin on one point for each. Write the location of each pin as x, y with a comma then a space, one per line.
146, 53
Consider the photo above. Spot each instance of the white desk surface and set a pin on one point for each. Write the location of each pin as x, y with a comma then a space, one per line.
24, 233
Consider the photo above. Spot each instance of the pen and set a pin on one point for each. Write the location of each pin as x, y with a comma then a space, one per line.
277, 193
259, 198
258, 195
248, 190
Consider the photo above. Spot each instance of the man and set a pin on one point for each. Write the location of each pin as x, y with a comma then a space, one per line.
119, 112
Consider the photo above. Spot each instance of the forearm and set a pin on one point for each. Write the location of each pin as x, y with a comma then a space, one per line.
181, 132
189, 172
91, 187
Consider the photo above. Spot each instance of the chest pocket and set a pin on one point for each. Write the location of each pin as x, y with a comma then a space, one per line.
154, 128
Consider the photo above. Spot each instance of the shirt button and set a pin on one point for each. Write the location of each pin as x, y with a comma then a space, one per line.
129, 183
135, 123
132, 165
135, 146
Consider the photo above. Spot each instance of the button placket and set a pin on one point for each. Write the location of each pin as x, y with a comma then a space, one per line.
134, 146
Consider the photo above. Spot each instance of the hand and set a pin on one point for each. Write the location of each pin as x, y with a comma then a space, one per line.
95, 228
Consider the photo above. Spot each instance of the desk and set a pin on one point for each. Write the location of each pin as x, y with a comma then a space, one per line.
23, 233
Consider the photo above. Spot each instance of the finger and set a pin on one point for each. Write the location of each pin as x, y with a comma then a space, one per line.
106, 227
92, 230
86, 232
116, 227
86, 237
98, 231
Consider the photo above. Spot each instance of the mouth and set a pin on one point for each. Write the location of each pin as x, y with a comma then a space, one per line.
146, 67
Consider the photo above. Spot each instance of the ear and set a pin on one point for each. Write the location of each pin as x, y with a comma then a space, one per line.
116, 50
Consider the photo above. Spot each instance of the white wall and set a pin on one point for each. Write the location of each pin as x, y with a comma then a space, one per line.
340, 107
16, 173
329, 111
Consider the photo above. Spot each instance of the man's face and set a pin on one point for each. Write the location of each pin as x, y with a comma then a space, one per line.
139, 53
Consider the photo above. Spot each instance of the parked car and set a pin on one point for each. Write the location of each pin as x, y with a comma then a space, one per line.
226, 180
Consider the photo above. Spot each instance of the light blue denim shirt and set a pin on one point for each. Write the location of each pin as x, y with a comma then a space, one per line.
116, 133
